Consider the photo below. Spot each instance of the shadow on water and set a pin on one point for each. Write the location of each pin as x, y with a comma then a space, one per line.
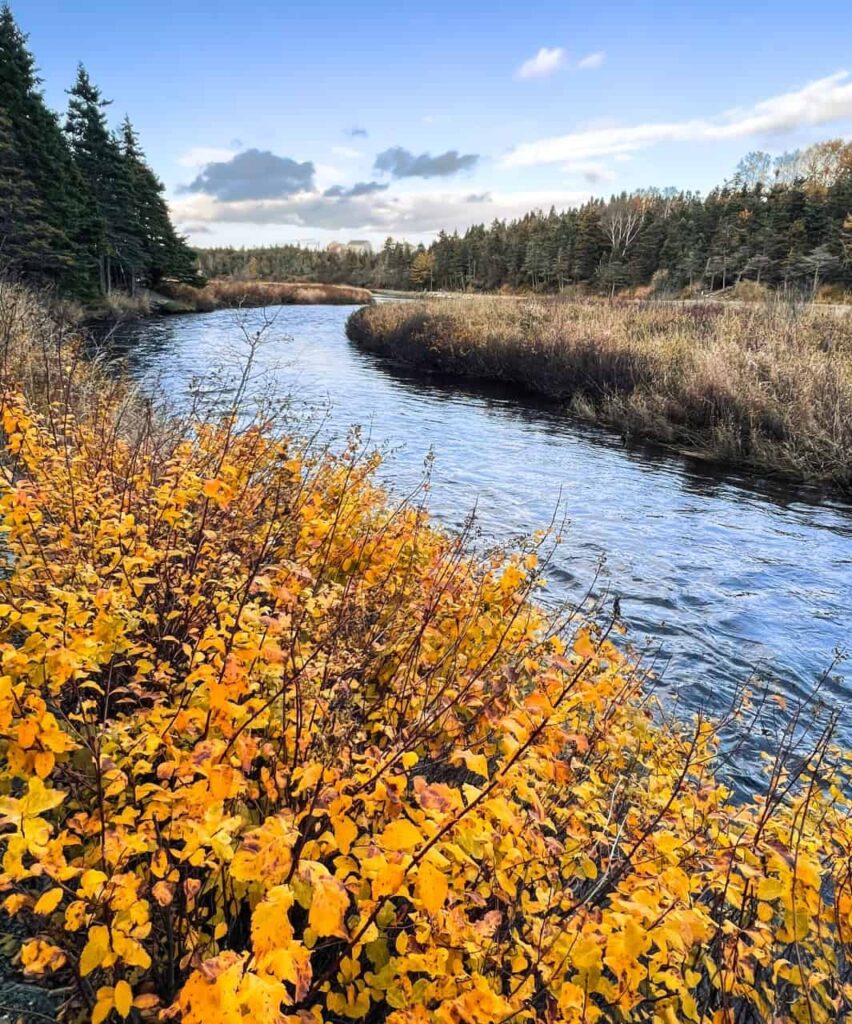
722, 576
699, 475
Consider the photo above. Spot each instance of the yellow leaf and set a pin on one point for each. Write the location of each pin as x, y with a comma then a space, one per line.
289, 962
431, 887
329, 903
583, 645
401, 835
146, 1001
49, 901
95, 950
345, 831
270, 925
91, 882
159, 863
476, 763
103, 1006
12, 904
44, 762
123, 998
769, 889
586, 954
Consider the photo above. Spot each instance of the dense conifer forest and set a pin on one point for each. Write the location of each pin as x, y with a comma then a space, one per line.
783, 223
80, 209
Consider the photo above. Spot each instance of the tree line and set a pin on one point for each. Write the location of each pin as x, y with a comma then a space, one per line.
80, 209
785, 223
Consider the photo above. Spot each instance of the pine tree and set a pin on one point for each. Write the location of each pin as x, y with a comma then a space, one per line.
108, 214
162, 252
44, 157
28, 244
591, 243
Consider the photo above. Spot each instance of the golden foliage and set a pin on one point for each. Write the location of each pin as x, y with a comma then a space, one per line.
271, 751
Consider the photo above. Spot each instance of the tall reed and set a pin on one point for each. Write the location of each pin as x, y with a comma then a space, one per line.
768, 387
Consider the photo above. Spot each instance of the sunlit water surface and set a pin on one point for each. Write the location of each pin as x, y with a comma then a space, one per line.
724, 578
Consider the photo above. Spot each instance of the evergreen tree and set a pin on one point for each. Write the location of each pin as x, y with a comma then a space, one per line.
28, 244
44, 157
108, 217
151, 235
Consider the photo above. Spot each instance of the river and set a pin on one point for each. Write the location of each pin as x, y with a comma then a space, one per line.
721, 578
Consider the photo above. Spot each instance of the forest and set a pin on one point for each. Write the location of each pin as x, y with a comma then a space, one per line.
80, 209
782, 223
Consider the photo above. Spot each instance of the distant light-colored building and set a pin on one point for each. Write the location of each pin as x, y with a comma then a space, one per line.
359, 246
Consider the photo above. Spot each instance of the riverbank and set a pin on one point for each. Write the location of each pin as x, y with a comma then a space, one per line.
766, 388
226, 294
174, 298
272, 744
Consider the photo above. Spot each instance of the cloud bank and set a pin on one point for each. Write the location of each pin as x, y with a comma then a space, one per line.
819, 102
360, 188
384, 213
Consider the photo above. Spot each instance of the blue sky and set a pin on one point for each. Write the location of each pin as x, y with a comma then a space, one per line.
461, 111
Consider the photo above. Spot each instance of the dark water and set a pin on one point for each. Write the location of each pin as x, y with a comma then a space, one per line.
727, 577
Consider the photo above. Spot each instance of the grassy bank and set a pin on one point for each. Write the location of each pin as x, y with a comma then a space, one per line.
176, 298
225, 294
768, 387
274, 748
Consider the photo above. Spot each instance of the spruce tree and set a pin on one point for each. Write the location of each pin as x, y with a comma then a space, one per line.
29, 246
164, 252
108, 199
44, 157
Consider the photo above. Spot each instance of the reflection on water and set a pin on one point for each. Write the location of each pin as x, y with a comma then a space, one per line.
724, 575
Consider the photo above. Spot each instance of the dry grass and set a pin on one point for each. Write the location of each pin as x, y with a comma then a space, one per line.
226, 294
121, 306
768, 387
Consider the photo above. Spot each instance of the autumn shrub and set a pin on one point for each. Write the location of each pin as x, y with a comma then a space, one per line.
751, 291
767, 387
274, 748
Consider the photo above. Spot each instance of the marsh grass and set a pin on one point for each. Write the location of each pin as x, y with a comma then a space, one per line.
768, 387
227, 294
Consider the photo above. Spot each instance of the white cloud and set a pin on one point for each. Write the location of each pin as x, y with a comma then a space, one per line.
328, 175
200, 156
545, 62
591, 60
401, 214
347, 152
819, 102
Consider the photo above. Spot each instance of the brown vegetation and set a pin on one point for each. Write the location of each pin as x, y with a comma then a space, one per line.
769, 387
228, 294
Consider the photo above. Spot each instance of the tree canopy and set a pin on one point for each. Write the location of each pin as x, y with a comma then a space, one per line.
784, 223
80, 209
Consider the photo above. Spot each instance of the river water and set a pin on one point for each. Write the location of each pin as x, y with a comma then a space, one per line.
720, 577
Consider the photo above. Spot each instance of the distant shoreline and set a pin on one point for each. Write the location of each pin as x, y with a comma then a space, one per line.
174, 299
